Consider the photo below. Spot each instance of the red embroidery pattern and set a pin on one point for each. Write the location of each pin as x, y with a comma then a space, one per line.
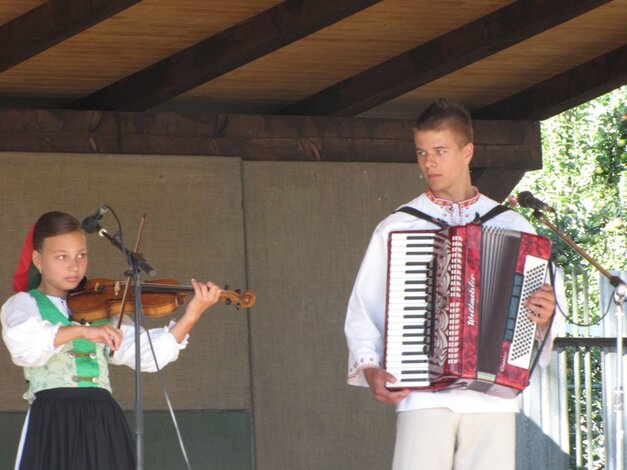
446, 203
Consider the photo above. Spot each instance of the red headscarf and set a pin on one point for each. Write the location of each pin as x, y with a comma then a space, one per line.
26, 276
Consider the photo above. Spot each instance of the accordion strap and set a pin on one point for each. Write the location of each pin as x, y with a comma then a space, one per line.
496, 210
479, 220
423, 215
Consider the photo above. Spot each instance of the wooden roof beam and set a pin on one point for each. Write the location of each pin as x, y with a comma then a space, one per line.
450, 52
496, 183
564, 91
219, 54
49, 24
507, 145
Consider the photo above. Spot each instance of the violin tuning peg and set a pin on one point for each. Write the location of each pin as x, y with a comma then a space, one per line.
239, 291
227, 301
226, 287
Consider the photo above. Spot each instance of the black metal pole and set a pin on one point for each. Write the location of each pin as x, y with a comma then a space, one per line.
139, 410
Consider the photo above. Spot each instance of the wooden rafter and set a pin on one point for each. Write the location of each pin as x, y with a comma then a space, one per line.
49, 24
496, 183
564, 91
219, 54
443, 55
499, 144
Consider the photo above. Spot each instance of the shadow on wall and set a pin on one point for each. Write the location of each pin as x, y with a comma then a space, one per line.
536, 450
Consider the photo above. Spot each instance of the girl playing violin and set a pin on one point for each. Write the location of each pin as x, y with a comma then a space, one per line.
73, 422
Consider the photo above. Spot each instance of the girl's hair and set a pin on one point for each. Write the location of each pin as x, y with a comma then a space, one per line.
51, 224
446, 114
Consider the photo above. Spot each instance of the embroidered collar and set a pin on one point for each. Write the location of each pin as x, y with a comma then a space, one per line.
446, 203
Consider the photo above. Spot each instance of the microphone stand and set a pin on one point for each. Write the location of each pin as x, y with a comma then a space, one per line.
137, 263
620, 296
139, 410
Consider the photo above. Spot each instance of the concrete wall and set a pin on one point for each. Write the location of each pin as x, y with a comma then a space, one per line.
307, 226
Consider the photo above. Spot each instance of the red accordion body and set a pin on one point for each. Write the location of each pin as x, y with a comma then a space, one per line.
454, 309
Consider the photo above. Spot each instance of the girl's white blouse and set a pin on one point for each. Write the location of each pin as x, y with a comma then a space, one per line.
30, 339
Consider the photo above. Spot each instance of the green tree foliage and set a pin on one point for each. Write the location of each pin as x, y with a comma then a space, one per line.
584, 178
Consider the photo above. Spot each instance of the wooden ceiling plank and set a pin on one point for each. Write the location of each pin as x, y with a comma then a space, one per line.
500, 144
450, 52
51, 23
564, 91
221, 53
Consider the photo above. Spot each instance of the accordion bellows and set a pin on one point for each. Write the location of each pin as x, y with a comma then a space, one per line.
455, 314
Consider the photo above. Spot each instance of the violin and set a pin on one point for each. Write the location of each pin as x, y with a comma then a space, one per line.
99, 299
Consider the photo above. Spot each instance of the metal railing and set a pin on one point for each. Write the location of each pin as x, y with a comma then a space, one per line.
573, 400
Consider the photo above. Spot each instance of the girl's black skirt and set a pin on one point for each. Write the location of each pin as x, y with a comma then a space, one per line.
77, 429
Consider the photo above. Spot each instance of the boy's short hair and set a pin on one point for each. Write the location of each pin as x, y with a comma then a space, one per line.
446, 114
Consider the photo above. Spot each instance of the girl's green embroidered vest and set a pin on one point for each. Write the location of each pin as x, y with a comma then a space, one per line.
80, 363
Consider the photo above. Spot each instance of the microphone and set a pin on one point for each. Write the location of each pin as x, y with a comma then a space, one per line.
526, 199
91, 224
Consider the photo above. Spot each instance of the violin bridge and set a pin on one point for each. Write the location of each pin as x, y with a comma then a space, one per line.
116, 289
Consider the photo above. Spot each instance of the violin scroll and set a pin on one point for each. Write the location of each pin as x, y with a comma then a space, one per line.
237, 298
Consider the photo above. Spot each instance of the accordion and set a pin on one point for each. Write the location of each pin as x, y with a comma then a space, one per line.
455, 314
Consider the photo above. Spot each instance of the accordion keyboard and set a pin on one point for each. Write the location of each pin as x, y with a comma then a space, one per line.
409, 307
